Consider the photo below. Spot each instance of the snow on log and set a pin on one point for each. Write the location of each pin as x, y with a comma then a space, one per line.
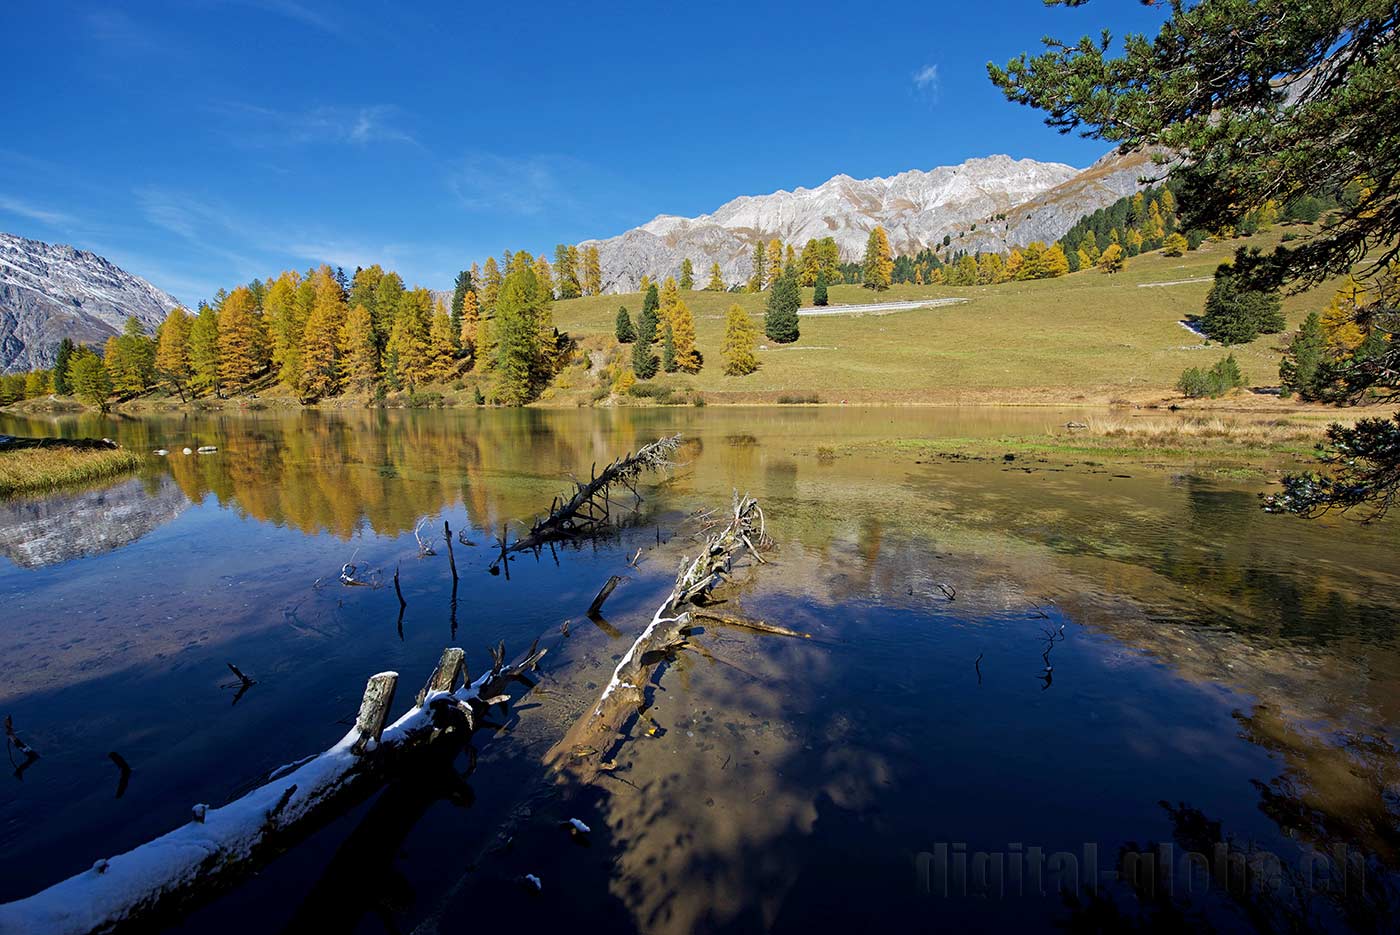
153, 883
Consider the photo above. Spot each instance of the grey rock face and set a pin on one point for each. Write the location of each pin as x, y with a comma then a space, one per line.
1039, 201
50, 291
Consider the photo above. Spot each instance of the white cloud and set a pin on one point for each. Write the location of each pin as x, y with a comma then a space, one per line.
265, 127
517, 184
926, 81
33, 212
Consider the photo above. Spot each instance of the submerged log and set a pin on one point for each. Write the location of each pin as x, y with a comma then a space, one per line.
154, 883
586, 746
589, 509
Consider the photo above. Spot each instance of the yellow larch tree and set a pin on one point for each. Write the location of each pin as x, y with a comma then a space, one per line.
359, 355
683, 337
740, 342
774, 262
173, 350
242, 344
320, 368
592, 271
442, 349
1339, 326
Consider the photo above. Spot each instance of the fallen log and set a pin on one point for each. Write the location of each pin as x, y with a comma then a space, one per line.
589, 509
156, 882
587, 745
748, 623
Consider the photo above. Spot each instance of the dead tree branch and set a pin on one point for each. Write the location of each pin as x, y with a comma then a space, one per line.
588, 510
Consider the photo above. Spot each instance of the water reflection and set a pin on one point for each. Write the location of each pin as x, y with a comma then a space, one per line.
1212, 655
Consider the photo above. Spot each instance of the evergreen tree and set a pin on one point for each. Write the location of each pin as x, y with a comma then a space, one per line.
1302, 370
89, 380
388, 300
648, 321
668, 348
624, 331
364, 286
59, 380
643, 360
173, 350
819, 294
760, 268
1235, 313
517, 338
592, 271
204, 352
460, 288
878, 262
740, 343
716, 283
780, 319
358, 353
687, 275
320, 368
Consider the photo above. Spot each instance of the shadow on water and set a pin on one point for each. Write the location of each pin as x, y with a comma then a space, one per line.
1242, 664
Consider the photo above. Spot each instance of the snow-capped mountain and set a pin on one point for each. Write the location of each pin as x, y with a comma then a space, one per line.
1011, 202
52, 291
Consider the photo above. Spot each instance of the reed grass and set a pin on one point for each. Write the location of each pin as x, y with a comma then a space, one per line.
40, 469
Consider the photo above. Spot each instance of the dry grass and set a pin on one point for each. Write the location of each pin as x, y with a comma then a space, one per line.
40, 469
1188, 432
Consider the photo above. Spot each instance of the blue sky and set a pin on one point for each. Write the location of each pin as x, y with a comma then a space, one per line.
203, 143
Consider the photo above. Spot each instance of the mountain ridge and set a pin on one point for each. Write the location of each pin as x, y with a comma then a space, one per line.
52, 291
917, 208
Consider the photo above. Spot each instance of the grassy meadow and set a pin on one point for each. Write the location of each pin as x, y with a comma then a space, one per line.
1087, 337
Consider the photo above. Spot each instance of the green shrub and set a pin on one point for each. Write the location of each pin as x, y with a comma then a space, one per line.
1220, 379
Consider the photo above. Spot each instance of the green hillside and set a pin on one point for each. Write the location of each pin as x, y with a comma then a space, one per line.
1085, 337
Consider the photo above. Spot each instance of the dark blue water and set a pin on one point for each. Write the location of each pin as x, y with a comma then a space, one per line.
1129, 663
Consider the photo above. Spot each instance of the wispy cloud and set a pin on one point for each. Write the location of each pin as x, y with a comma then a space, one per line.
266, 127
300, 13
515, 184
118, 31
926, 82
33, 212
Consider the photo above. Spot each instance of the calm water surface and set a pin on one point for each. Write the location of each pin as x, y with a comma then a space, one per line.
1137, 662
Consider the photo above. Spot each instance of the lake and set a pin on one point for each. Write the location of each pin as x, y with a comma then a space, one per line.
1022, 679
